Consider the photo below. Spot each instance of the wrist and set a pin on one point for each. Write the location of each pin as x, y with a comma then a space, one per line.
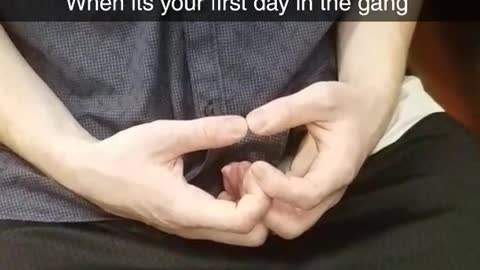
68, 156
53, 152
380, 98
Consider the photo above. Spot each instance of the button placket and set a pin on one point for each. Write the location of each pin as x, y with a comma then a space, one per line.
205, 71
213, 109
205, 77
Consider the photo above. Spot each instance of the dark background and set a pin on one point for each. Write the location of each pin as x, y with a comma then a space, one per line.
446, 56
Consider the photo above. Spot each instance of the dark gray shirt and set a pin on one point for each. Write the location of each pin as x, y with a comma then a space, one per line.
112, 76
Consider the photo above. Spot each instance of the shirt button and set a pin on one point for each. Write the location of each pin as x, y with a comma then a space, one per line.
211, 109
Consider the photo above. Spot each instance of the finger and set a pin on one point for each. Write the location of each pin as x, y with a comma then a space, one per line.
250, 185
201, 134
224, 195
307, 152
242, 168
243, 182
253, 238
256, 237
289, 223
233, 177
334, 167
228, 183
293, 190
314, 103
336, 164
211, 213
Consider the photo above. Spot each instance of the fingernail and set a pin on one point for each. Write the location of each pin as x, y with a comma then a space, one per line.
226, 170
245, 165
236, 125
258, 170
257, 121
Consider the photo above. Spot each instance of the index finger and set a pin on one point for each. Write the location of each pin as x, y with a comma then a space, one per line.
184, 137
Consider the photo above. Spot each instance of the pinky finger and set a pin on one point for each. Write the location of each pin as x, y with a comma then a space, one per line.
254, 238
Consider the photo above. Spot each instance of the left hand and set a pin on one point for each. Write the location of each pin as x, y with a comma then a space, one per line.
344, 125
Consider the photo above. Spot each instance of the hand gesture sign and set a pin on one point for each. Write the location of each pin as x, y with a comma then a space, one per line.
138, 174
343, 126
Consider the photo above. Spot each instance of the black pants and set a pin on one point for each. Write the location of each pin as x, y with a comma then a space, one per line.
414, 205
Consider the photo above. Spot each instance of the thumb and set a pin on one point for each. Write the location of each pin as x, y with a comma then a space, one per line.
234, 176
204, 133
312, 104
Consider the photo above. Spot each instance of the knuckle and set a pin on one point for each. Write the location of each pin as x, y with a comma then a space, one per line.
258, 237
284, 226
327, 97
246, 225
307, 203
203, 131
248, 217
328, 101
309, 198
292, 232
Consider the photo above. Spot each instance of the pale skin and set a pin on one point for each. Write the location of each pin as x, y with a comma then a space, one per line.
138, 173
345, 121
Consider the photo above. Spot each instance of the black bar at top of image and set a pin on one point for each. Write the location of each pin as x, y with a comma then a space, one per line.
58, 10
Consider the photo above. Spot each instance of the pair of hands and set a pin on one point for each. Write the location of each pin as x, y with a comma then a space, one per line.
138, 173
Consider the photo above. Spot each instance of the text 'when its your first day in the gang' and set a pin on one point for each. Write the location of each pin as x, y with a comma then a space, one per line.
163, 7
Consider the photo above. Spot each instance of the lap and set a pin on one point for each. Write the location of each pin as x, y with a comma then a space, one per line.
414, 205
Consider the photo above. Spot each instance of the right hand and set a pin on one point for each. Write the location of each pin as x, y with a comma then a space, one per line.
138, 174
